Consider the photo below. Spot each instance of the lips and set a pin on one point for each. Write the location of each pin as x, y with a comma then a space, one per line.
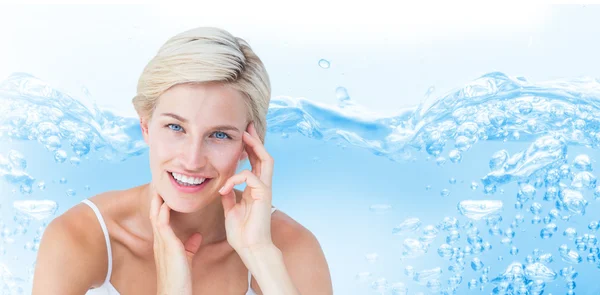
186, 180
187, 188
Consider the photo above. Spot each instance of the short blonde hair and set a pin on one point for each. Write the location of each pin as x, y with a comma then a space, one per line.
206, 54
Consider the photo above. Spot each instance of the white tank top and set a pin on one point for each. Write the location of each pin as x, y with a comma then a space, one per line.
107, 288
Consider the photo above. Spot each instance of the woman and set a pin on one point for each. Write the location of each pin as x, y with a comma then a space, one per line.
202, 102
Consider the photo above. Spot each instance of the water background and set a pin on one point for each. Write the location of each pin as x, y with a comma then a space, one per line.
353, 167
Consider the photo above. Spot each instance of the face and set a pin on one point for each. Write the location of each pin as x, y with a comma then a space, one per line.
195, 142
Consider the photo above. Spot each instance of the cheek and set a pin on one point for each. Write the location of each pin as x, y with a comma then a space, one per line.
225, 157
161, 148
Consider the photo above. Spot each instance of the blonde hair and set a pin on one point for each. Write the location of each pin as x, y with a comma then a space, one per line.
206, 54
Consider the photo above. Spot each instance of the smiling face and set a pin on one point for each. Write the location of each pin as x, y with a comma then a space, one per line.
195, 142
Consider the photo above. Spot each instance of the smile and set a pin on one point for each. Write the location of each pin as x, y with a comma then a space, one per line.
187, 184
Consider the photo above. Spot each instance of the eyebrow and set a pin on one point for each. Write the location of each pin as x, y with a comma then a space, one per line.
226, 127
177, 117
219, 127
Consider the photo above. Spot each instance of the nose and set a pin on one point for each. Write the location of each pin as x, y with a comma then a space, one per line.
193, 155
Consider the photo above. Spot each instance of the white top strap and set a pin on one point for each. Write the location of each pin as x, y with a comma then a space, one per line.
106, 237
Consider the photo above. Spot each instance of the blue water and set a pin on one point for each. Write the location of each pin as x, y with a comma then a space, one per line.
489, 189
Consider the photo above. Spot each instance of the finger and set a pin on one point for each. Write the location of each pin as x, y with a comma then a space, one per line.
193, 244
228, 202
265, 162
155, 203
245, 176
163, 227
252, 130
254, 161
164, 215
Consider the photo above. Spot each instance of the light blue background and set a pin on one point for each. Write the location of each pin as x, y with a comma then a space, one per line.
385, 64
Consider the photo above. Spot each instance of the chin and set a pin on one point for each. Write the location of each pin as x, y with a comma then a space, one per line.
183, 204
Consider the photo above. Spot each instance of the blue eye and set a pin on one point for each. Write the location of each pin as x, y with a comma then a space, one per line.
175, 127
221, 135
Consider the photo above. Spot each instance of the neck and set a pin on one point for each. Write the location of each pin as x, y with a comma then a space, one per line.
209, 221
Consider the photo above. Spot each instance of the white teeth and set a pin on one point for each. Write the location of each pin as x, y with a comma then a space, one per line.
187, 180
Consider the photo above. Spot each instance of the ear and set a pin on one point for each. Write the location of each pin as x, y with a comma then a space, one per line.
144, 127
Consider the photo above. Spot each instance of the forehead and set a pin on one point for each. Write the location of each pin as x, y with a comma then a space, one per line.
206, 102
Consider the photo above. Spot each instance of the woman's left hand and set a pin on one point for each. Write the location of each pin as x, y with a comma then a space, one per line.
248, 223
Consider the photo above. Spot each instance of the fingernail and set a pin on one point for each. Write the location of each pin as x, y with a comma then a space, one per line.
221, 190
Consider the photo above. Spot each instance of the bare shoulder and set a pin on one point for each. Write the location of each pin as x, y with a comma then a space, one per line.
284, 229
72, 256
302, 254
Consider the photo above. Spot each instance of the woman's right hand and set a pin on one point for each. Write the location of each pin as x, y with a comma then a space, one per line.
173, 258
